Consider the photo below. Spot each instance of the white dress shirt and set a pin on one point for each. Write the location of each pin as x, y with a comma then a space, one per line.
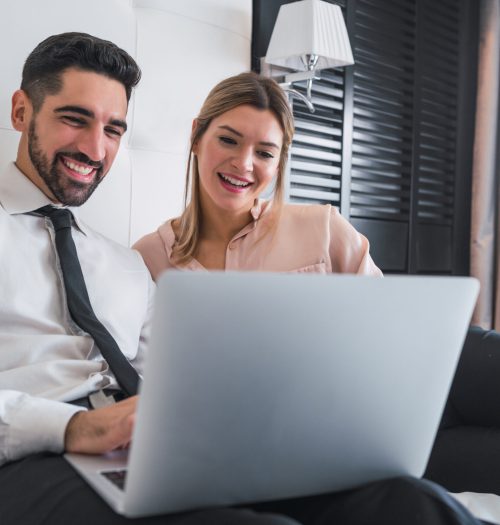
45, 359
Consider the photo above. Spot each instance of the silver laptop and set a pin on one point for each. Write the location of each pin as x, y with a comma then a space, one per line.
266, 386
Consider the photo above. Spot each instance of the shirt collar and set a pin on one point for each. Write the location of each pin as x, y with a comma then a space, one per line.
166, 232
19, 195
258, 211
260, 208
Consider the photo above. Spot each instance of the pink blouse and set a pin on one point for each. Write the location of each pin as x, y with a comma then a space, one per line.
306, 238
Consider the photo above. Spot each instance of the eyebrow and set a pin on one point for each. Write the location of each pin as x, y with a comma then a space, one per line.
232, 130
90, 114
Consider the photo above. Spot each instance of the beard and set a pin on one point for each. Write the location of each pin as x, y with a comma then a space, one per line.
66, 190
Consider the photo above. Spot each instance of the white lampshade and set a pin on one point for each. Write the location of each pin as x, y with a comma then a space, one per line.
309, 27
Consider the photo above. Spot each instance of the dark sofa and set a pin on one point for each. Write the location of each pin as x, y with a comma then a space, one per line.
466, 453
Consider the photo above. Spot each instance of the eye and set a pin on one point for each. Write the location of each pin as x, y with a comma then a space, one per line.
73, 121
227, 140
265, 154
114, 132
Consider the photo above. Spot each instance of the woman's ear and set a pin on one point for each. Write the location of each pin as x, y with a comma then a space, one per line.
21, 110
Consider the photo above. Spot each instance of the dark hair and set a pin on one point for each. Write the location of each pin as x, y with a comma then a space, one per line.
45, 64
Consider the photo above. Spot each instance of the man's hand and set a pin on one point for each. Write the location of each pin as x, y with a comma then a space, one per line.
101, 430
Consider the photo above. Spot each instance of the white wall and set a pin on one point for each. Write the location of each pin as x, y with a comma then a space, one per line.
183, 47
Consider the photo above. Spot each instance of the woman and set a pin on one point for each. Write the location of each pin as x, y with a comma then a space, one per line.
239, 146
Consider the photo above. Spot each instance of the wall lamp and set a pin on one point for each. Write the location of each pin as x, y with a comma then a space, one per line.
308, 36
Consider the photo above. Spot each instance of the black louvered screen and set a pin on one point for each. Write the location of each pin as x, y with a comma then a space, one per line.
384, 141
316, 156
384, 52
436, 135
383, 104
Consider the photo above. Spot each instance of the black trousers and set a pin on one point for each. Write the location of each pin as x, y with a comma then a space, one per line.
44, 490
466, 453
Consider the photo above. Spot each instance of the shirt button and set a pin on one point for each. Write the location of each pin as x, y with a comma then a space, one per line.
232, 246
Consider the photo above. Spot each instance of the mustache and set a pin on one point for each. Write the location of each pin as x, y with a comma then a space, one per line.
81, 157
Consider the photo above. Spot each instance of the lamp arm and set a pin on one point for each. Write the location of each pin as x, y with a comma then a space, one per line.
300, 96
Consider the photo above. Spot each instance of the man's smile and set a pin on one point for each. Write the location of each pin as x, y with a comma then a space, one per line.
80, 171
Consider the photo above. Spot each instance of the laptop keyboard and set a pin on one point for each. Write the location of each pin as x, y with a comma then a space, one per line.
117, 477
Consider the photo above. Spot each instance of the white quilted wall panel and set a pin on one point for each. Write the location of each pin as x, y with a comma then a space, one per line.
157, 189
227, 14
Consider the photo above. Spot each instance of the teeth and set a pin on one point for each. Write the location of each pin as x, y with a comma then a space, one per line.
78, 168
234, 182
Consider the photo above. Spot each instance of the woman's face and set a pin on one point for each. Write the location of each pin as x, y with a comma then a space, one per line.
238, 156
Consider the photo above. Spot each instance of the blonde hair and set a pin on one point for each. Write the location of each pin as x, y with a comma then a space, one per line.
245, 88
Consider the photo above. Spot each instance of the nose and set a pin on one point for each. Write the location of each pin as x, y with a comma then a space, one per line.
243, 160
92, 143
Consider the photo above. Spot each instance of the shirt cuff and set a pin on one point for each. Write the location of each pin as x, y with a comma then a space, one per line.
39, 425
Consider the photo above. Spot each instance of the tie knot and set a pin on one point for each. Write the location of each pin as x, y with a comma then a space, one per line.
60, 217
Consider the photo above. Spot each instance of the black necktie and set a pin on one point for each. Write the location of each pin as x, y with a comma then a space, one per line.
79, 303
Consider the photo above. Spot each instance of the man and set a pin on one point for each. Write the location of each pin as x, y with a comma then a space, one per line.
62, 370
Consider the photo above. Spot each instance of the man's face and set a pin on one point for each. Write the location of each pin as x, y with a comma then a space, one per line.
71, 142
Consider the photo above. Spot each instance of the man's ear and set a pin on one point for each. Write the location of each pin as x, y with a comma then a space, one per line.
21, 110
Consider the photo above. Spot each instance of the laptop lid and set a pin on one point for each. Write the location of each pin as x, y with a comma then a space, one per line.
266, 386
